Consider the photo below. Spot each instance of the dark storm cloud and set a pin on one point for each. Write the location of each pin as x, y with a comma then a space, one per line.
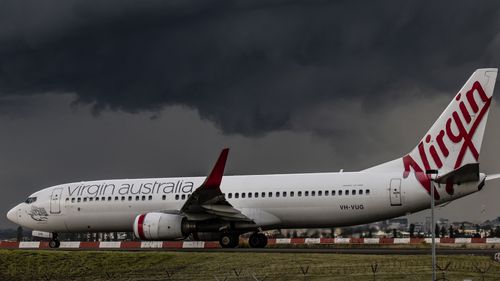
249, 66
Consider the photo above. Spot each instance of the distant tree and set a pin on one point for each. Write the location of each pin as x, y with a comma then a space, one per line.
19, 235
394, 233
412, 230
436, 230
370, 234
451, 231
497, 232
443, 231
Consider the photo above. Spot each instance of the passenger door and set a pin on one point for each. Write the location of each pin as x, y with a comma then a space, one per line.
55, 201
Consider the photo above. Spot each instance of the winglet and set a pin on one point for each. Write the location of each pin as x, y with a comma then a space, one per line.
215, 177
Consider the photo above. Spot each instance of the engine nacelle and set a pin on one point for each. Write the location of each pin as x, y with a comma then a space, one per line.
159, 226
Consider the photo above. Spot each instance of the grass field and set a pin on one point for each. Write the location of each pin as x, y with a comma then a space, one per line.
98, 265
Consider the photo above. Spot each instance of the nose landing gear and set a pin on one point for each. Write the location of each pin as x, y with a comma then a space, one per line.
54, 243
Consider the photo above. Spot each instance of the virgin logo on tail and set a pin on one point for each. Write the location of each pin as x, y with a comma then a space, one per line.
455, 131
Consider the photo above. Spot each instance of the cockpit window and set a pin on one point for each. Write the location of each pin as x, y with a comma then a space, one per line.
30, 200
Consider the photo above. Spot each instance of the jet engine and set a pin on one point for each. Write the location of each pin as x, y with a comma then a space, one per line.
160, 226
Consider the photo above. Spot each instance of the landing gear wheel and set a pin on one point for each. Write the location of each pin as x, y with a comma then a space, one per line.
257, 240
54, 244
263, 240
229, 240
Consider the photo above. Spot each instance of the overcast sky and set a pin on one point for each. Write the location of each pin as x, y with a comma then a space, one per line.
123, 89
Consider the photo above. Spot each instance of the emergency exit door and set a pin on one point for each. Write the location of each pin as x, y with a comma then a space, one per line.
395, 192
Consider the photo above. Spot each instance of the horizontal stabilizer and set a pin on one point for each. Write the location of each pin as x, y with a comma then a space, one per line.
492, 177
466, 173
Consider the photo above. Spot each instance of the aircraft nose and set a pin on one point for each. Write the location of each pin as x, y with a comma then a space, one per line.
12, 215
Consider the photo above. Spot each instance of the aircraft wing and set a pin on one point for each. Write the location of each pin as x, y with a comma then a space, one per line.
208, 201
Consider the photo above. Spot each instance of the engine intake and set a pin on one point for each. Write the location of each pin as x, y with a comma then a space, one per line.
159, 226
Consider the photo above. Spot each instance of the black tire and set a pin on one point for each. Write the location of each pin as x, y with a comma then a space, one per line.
54, 244
229, 241
263, 240
257, 240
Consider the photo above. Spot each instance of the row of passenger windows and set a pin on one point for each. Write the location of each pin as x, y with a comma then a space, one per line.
122, 198
300, 193
229, 195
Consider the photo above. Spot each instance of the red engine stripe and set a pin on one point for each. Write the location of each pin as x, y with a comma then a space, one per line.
140, 227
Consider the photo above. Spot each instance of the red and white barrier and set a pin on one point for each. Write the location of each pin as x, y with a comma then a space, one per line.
213, 244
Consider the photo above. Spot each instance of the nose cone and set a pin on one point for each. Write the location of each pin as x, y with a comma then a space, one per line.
12, 215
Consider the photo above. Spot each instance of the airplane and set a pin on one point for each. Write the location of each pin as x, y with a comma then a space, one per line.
222, 208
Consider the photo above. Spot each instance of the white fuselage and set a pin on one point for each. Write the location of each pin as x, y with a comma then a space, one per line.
271, 201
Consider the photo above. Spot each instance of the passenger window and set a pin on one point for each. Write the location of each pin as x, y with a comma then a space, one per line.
333, 192
263, 194
103, 199
326, 192
97, 199
177, 197
123, 198
291, 193
129, 198
306, 193
67, 199
236, 195
164, 197
91, 199
243, 195
79, 199
116, 198
150, 197
277, 194
143, 198
249, 195
313, 193
183, 197
270, 194
320, 193
230, 195
347, 192
340, 192
109, 198
284, 193
137, 198
361, 192
72, 200
353, 192
299, 193
85, 199
256, 195
367, 192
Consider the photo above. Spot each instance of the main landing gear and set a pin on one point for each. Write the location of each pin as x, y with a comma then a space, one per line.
54, 243
257, 240
229, 240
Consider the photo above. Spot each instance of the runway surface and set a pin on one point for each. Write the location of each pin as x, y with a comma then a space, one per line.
362, 251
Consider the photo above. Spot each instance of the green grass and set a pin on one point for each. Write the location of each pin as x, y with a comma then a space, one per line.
98, 265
